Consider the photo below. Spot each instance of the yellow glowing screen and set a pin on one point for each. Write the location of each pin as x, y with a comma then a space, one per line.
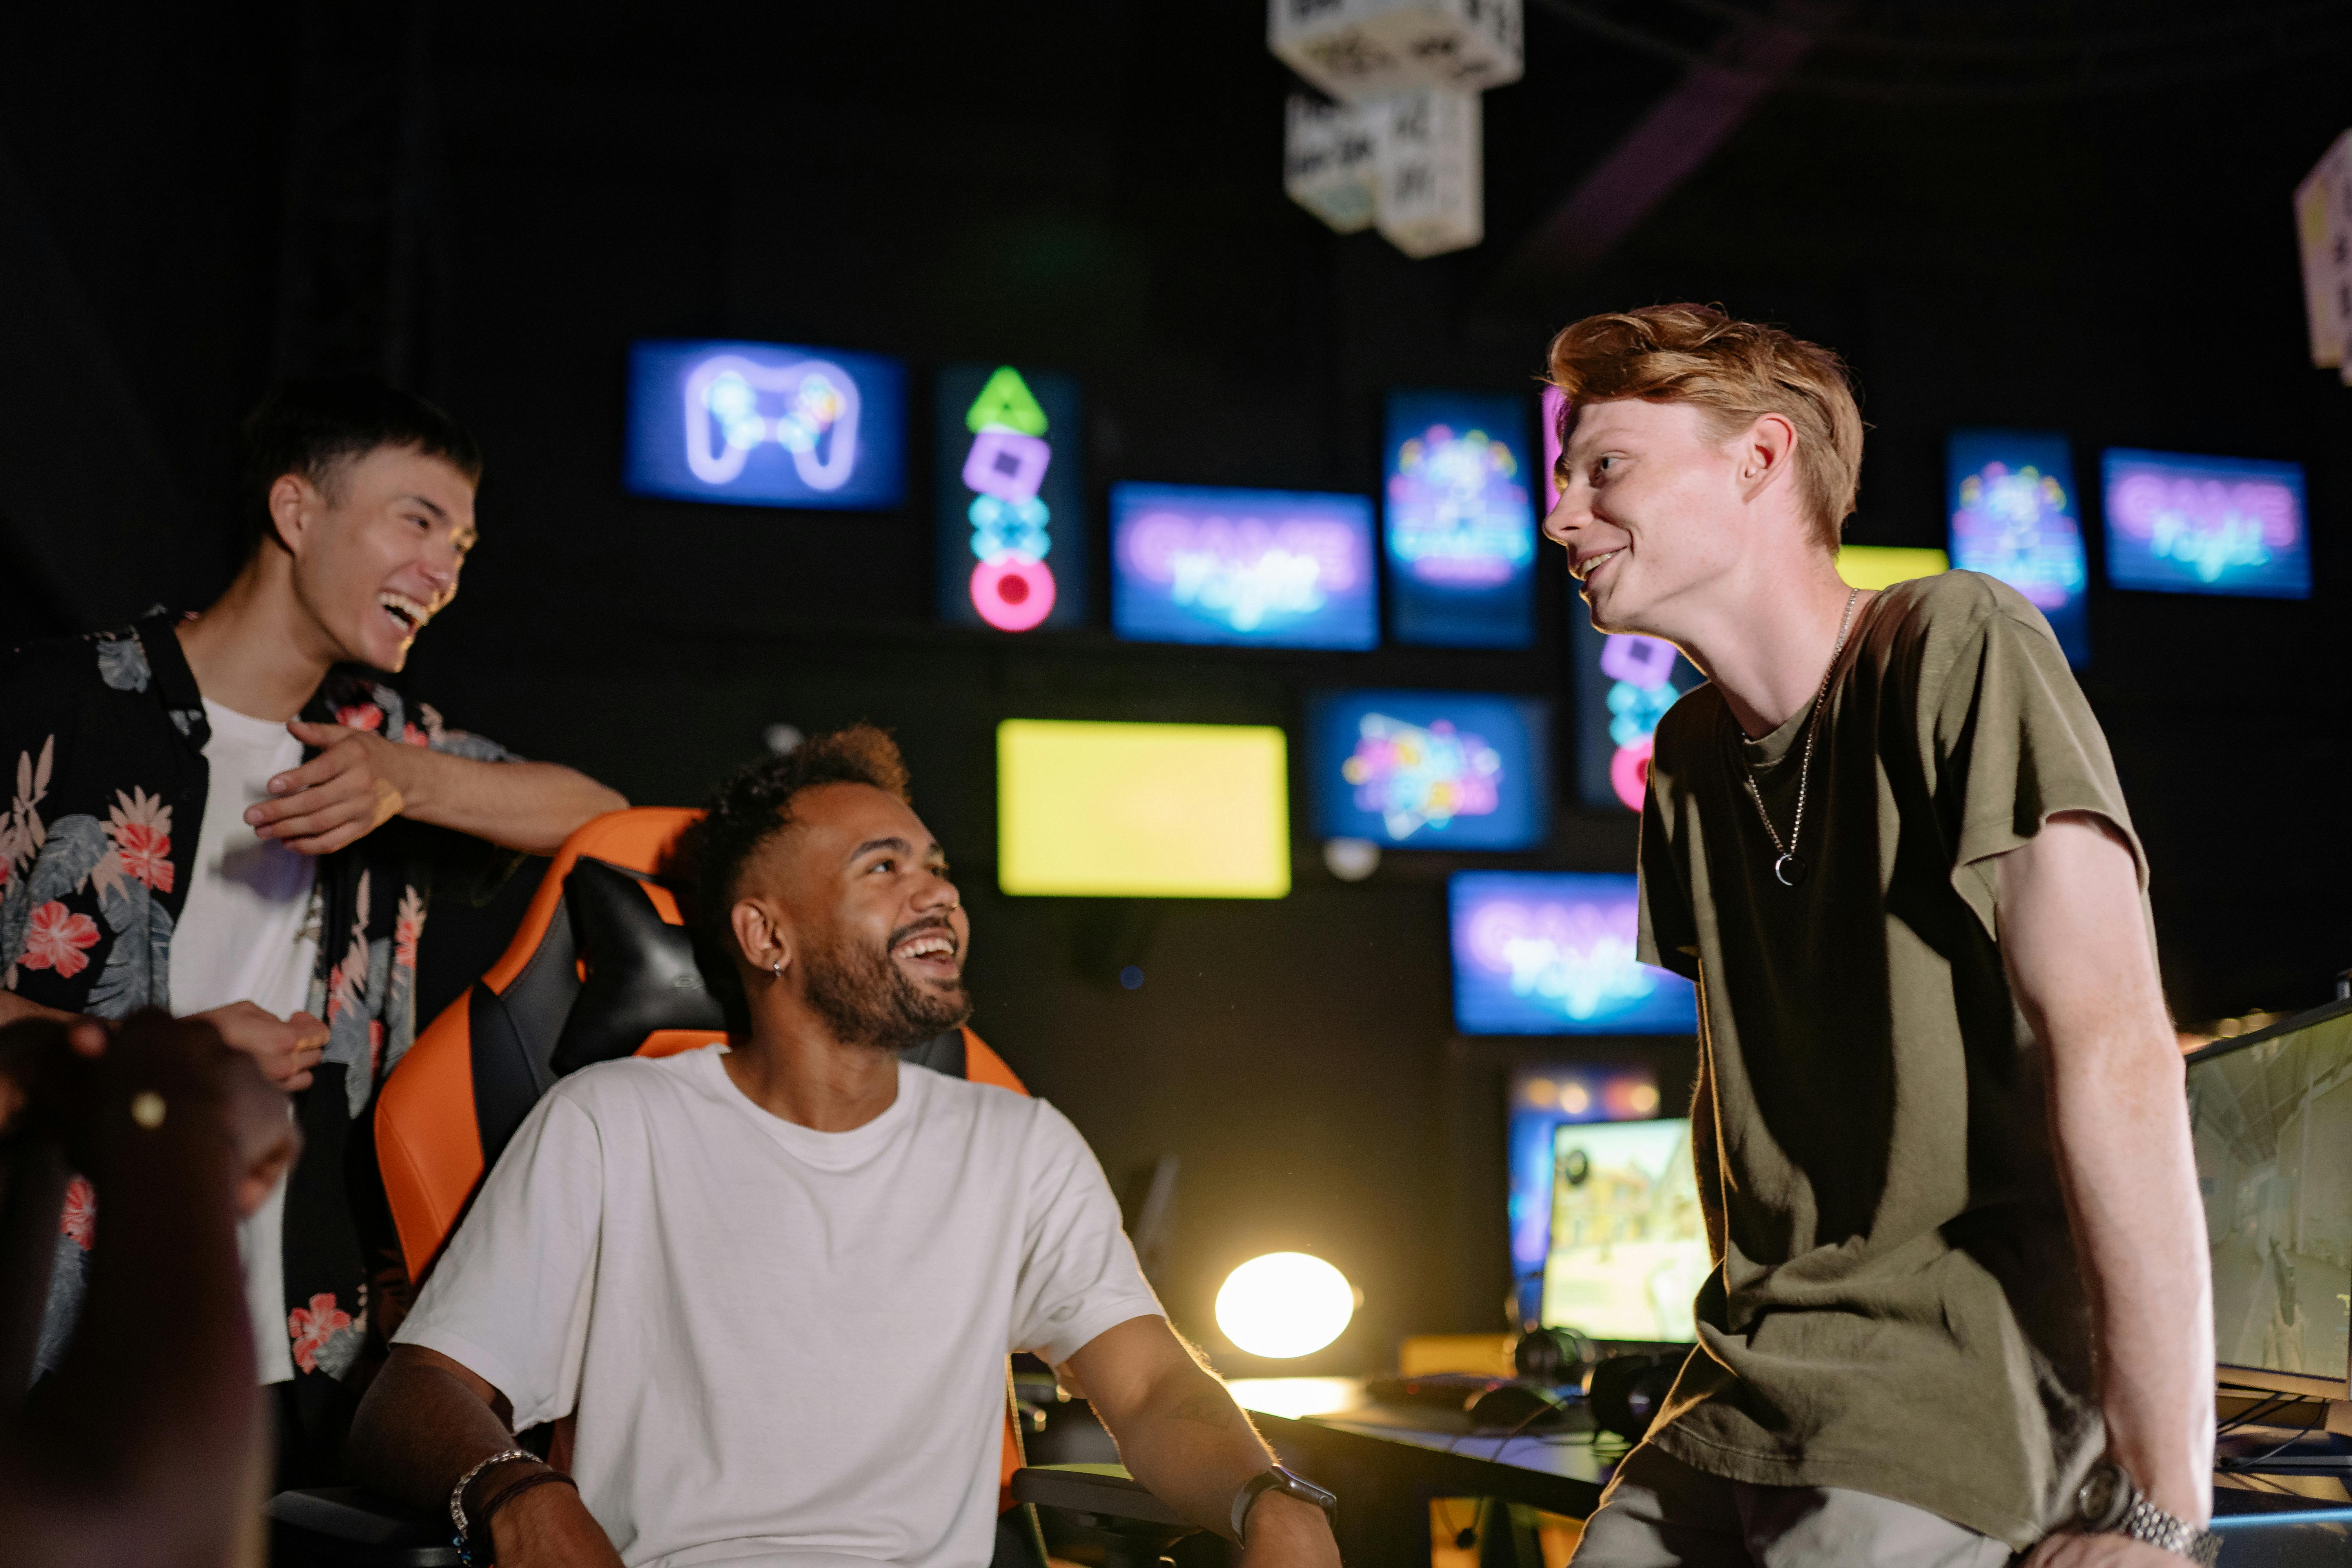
1882, 566
1167, 811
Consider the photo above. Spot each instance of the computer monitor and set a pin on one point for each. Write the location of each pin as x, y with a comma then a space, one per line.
2271, 1114
1628, 1248
1545, 1096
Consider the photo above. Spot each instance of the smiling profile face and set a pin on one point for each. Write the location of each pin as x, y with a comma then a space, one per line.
858, 891
1651, 510
378, 550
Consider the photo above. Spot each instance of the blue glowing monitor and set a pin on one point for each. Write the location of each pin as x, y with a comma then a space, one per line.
1430, 770
1622, 685
2015, 516
766, 424
2183, 524
1459, 521
1546, 1097
1551, 953
1012, 524
1272, 568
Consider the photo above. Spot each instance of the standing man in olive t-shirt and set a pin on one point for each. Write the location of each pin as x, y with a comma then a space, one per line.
1959, 1304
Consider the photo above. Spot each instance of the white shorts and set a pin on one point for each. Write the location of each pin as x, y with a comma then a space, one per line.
1660, 1513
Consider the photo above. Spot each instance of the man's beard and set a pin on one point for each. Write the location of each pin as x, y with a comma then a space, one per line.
868, 1001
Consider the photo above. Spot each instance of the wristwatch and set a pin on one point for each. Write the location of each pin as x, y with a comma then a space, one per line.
2109, 1503
1278, 1480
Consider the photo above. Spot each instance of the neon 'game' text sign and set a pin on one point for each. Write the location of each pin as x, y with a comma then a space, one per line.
1271, 567
2206, 525
1553, 953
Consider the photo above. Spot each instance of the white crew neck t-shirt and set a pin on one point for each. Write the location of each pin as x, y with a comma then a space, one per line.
784, 1347
244, 936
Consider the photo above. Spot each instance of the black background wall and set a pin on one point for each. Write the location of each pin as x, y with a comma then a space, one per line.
493, 206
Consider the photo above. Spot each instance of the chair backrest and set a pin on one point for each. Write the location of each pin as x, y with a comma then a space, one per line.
601, 967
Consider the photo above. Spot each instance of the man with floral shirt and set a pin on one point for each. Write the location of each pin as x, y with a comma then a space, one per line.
232, 814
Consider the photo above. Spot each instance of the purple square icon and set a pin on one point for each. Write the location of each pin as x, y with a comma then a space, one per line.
1007, 464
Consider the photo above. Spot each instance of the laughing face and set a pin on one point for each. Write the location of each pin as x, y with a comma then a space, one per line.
1649, 511
377, 551
871, 920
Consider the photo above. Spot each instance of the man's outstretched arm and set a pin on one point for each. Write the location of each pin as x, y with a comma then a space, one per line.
427, 1420
1180, 1434
359, 781
2076, 947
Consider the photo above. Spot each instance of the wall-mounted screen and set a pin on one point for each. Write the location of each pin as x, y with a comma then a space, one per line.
1012, 533
1458, 521
1628, 1245
1164, 811
1551, 953
1623, 686
1272, 568
1884, 565
2185, 524
2015, 516
766, 424
1544, 1097
1430, 770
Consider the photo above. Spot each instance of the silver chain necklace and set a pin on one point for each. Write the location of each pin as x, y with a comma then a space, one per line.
1789, 868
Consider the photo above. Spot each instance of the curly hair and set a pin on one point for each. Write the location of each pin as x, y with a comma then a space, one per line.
755, 804
1735, 372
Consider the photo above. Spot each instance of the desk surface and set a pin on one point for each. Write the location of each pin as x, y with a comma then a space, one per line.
1340, 1405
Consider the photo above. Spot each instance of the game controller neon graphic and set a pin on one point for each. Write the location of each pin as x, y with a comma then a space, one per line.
2017, 525
1417, 776
1243, 573
1577, 958
2210, 526
1012, 587
1457, 516
734, 403
1643, 669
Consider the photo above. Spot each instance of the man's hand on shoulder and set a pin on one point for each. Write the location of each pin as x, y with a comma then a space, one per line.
1285, 1533
353, 787
2070, 1549
284, 1049
550, 1527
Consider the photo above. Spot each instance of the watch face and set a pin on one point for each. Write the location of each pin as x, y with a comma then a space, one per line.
2101, 1491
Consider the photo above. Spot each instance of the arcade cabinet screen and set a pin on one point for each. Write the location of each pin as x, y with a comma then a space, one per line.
2015, 516
1623, 686
1628, 1245
2273, 1125
1012, 522
1459, 522
1263, 568
1551, 953
765, 425
1430, 770
1167, 811
2206, 525
1544, 1097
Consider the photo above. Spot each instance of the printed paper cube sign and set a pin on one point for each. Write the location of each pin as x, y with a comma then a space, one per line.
1432, 173
1359, 51
1330, 163
2323, 221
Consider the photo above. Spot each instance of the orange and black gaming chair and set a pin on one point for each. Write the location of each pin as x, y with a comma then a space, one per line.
602, 967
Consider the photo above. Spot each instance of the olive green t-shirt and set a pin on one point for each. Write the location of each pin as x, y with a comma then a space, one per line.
1896, 1305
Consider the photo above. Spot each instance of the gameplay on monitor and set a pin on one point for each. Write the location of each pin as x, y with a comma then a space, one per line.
1628, 1245
2272, 1123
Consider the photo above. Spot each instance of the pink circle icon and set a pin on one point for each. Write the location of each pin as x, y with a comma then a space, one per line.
1012, 595
1629, 772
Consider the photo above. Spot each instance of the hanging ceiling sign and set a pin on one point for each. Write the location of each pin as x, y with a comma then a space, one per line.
1012, 540
765, 425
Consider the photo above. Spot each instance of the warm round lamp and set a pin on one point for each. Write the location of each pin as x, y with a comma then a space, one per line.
1284, 1304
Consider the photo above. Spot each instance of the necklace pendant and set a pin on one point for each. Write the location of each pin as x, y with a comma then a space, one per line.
1789, 871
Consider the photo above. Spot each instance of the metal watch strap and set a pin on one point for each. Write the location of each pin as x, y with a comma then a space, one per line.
1278, 1480
2147, 1523
457, 1492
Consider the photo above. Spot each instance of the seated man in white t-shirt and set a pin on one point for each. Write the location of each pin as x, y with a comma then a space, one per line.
775, 1285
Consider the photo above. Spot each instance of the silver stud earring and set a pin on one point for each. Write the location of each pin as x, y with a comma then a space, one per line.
777, 968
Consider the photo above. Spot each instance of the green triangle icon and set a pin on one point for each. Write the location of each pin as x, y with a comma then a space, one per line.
1006, 403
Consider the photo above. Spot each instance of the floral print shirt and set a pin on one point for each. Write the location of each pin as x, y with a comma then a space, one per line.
101, 757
